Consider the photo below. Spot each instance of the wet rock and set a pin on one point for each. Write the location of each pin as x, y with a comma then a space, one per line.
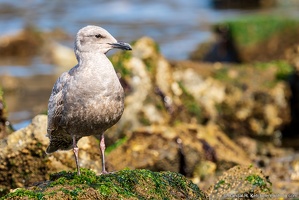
242, 99
27, 97
245, 36
5, 128
147, 78
22, 45
61, 56
284, 173
291, 131
246, 99
239, 4
207, 92
292, 56
242, 182
2, 115
31, 42
156, 148
220, 48
24, 161
125, 184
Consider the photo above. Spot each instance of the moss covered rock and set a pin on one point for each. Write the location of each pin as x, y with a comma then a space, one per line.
242, 183
23, 160
247, 35
125, 184
182, 148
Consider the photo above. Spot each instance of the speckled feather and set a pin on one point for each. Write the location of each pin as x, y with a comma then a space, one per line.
88, 99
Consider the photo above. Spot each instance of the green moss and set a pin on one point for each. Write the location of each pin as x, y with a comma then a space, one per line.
1, 94
143, 119
116, 144
3, 114
118, 61
73, 193
252, 29
222, 74
157, 47
283, 68
261, 75
60, 178
150, 64
24, 193
219, 184
258, 181
135, 184
190, 104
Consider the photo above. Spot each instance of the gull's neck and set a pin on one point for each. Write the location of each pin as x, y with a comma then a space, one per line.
93, 59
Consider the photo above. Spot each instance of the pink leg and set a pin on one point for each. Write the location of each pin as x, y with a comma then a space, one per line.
103, 147
76, 151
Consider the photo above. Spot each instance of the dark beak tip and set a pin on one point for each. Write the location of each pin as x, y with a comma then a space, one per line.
122, 45
126, 46
129, 47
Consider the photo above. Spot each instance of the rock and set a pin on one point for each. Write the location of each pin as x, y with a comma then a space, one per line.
291, 131
156, 148
23, 45
239, 4
207, 92
242, 182
31, 42
284, 173
61, 56
2, 115
246, 35
292, 56
198, 119
246, 99
149, 98
125, 184
163, 93
24, 161
19, 92
5, 129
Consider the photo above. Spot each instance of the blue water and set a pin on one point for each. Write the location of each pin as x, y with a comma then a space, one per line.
177, 25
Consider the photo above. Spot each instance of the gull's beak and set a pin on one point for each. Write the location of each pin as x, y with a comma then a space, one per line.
121, 45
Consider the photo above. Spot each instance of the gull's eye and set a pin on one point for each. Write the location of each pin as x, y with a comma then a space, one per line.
99, 36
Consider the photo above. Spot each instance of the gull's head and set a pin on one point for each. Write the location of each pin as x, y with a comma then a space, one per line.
96, 39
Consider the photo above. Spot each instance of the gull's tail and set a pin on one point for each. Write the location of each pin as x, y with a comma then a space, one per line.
59, 142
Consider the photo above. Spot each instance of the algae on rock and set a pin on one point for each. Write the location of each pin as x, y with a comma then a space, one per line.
125, 184
244, 37
241, 182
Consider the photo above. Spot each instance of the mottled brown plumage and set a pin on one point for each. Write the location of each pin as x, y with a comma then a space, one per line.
88, 99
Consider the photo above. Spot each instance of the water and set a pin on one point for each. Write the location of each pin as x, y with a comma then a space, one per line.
177, 25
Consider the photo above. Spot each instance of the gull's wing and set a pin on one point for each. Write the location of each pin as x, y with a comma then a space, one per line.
55, 106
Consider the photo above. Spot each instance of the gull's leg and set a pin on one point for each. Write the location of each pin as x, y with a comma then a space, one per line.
76, 150
103, 147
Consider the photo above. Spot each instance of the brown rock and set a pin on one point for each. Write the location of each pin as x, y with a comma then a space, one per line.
24, 161
156, 148
242, 182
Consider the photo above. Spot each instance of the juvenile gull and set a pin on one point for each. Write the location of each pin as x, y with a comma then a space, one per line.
88, 99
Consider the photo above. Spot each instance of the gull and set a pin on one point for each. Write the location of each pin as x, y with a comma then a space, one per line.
88, 99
